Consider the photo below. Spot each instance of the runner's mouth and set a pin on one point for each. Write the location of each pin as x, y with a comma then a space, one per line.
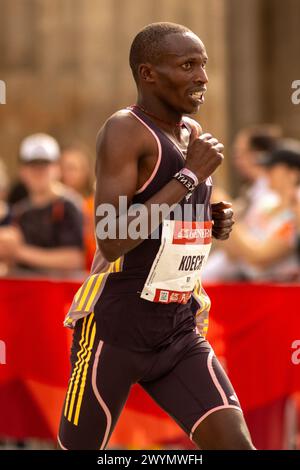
197, 96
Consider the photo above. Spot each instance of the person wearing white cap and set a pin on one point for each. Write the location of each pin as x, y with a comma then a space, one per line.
47, 232
39, 147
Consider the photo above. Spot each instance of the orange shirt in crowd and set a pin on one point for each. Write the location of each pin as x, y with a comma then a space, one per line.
89, 231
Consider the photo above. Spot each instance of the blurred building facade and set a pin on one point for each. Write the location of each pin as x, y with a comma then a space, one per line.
65, 64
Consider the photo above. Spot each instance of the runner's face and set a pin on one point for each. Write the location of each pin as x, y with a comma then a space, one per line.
180, 75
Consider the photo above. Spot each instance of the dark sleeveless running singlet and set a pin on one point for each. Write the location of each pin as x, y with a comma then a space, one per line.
124, 318
121, 339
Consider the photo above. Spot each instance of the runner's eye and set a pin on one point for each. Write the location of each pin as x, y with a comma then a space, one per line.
187, 65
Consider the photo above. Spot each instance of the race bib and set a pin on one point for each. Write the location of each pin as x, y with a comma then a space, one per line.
178, 264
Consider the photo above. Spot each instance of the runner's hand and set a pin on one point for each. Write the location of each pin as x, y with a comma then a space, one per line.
204, 154
222, 215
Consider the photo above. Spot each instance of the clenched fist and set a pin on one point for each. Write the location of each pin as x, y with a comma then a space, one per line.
204, 155
222, 215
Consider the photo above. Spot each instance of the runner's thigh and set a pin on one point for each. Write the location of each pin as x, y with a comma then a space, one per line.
99, 385
194, 388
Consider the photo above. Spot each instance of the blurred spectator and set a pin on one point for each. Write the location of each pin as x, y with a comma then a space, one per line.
298, 226
77, 173
47, 227
249, 143
17, 192
254, 195
4, 209
89, 231
265, 249
76, 169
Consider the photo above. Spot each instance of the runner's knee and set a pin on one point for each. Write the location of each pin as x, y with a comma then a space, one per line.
223, 430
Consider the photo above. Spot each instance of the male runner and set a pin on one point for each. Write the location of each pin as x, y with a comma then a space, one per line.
137, 323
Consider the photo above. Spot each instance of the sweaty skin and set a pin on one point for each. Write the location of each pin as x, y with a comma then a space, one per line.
126, 157
125, 163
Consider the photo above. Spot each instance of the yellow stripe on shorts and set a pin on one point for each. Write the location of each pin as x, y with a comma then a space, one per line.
79, 365
84, 374
86, 292
96, 288
76, 366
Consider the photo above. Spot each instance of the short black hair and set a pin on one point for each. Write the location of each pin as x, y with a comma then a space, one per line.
264, 137
287, 153
146, 46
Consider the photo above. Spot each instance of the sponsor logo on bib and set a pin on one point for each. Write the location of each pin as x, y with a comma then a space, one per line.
187, 233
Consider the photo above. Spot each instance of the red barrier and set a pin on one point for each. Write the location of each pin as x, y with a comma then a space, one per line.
260, 323
252, 328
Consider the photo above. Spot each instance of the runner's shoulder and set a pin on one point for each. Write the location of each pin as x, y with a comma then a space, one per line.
121, 127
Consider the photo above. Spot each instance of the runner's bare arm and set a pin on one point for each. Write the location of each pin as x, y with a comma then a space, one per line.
122, 143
